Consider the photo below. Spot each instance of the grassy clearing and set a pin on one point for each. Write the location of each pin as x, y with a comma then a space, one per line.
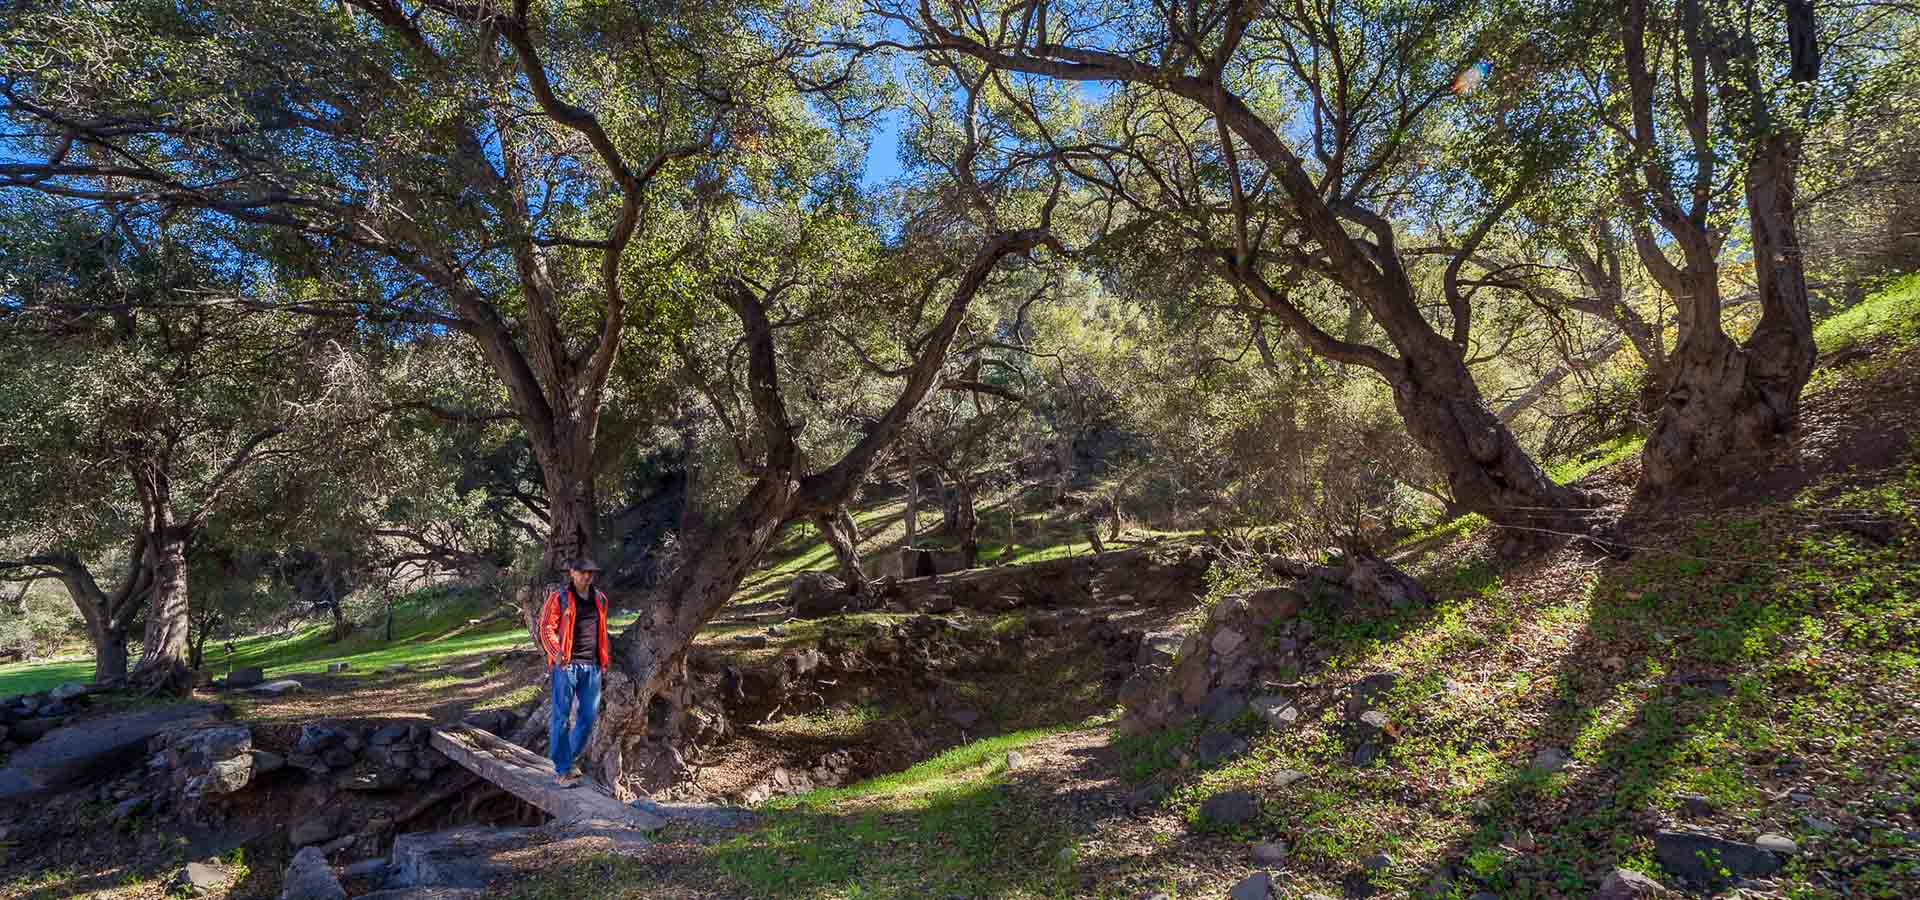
1892, 313
1738, 658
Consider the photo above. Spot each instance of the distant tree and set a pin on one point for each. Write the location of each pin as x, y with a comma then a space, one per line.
148, 395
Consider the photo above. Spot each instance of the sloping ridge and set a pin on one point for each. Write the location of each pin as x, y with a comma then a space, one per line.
529, 776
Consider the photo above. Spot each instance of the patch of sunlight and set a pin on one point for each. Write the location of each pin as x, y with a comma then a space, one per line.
971, 756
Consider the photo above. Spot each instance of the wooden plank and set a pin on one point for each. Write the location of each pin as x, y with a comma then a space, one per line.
529, 776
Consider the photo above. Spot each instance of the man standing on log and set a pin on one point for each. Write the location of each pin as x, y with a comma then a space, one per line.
573, 627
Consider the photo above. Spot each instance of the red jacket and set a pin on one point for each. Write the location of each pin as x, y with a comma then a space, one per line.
556, 627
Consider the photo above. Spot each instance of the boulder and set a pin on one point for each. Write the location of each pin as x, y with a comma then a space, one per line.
1227, 640
1703, 857
389, 734
318, 738
94, 749
230, 775
817, 594
265, 761
30, 730
1272, 853
1279, 713
249, 676
1216, 746
68, 691
427, 893
197, 878
317, 830
277, 688
1230, 808
310, 878
1367, 693
1550, 760
698, 815
458, 858
1257, 886
1626, 884
1158, 648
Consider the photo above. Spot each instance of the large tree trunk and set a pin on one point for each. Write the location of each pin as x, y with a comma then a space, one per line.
572, 527
107, 616
163, 652
109, 655
838, 528
967, 521
1487, 470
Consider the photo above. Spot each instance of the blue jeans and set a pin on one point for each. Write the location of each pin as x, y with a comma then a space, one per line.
570, 682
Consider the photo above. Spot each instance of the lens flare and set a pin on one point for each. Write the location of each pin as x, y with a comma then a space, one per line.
1471, 77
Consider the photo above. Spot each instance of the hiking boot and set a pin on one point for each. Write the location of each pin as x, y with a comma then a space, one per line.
567, 779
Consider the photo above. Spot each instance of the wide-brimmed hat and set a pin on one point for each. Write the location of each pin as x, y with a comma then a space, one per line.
583, 564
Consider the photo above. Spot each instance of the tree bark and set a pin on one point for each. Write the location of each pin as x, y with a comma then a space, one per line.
837, 527
913, 502
163, 652
1487, 470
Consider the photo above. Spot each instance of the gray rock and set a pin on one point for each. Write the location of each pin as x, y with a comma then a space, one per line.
389, 734
1367, 693
201, 748
698, 815
1549, 760
230, 775
1696, 806
1271, 853
1819, 825
1374, 721
1216, 746
56, 709
1159, 648
310, 878
1016, 759
1222, 705
277, 688
965, 718
317, 830
460, 858
427, 893
1777, 843
247, 677
27, 732
127, 809
265, 761
337, 668
397, 669
197, 878
1700, 857
1626, 884
375, 868
1227, 640
94, 749
1257, 886
1379, 862
1286, 777
68, 691
1230, 808
1278, 712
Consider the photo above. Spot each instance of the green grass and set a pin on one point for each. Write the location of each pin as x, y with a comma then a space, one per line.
43, 675
1597, 458
946, 826
1892, 313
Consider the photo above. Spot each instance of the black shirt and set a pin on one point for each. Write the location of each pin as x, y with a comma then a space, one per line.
586, 628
